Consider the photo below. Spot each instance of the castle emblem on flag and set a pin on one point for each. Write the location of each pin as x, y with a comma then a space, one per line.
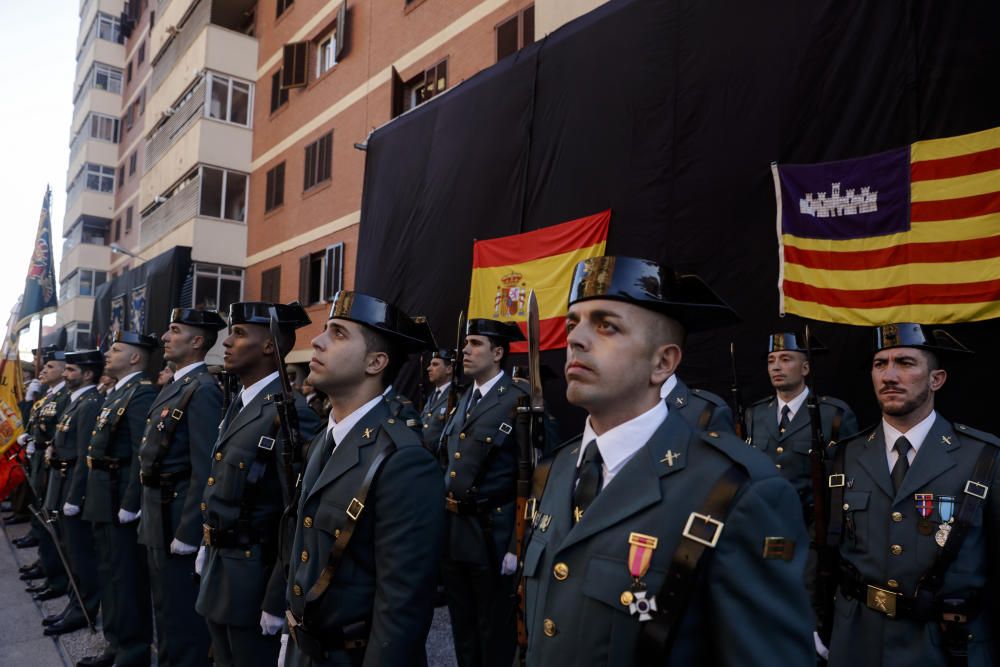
512, 294
822, 205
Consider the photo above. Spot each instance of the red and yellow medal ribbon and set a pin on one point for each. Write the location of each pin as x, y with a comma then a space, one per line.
640, 553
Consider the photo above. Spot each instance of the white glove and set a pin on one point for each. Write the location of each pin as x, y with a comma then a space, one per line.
269, 624
821, 650
509, 564
181, 548
30, 448
33, 389
284, 648
124, 516
49, 453
23, 438
199, 560
70, 510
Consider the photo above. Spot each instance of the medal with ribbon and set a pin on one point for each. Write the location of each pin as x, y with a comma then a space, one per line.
946, 509
163, 416
925, 507
640, 554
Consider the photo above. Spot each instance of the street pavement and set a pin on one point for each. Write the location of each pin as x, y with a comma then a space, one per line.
22, 641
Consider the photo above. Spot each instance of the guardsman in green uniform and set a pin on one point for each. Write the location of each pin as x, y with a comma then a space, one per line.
440, 373
244, 494
113, 497
38, 436
779, 425
367, 537
654, 543
915, 507
704, 410
174, 458
68, 483
479, 562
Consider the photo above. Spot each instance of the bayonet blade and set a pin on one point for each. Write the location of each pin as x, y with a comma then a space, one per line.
534, 350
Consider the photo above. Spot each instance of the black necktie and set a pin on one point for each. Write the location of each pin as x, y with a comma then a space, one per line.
476, 396
436, 396
784, 422
902, 466
589, 477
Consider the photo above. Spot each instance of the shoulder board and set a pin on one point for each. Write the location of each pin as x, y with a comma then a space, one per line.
757, 466
762, 401
145, 382
523, 387
714, 399
863, 435
400, 433
976, 434
403, 400
835, 402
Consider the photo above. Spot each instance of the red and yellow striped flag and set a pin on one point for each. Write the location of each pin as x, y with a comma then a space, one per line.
506, 269
909, 235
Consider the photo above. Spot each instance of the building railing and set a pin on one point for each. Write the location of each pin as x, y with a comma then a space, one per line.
179, 208
183, 116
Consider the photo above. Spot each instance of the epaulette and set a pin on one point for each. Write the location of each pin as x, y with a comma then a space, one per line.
865, 434
835, 402
523, 387
762, 401
521, 381
400, 434
758, 467
976, 434
714, 399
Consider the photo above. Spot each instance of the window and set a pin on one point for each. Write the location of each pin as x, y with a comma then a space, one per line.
293, 65
128, 70
223, 194
78, 336
82, 282
121, 175
334, 271
420, 88
132, 160
321, 274
128, 220
279, 95
129, 117
516, 33
107, 78
99, 178
142, 53
108, 27
270, 285
230, 99
216, 287
118, 229
319, 156
275, 195
283, 6
326, 54
142, 101
104, 127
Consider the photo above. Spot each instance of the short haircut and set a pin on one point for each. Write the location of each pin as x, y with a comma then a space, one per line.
504, 345
96, 369
376, 342
666, 330
210, 336
933, 361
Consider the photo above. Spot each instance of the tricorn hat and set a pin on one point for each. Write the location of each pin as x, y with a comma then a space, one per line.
85, 358
203, 319
290, 316
132, 338
685, 298
787, 341
508, 331
444, 353
50, 353
911, 334
382, 316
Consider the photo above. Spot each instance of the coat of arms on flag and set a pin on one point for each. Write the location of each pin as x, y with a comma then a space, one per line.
908, 235
511, 296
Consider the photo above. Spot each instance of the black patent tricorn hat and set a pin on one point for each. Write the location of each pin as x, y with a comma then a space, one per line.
49, 353
508, 331
444, 353
203, 319
787, 341
685, 298
382, 316
911, 334
290, 316
133, 338
85, 358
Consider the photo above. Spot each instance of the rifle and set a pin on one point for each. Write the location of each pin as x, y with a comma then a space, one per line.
456, 379
530, 430
739, 412
288, 419
827, 555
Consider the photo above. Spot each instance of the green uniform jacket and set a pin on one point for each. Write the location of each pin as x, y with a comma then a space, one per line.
45, 414
402, 408
117, 434
790, 450
482, 468
432, 420
188, 456
70, 444
744, 609
234, 580
389, 570
703, 410
888, 548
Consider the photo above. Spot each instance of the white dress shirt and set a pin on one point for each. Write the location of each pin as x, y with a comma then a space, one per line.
250, 393
619, 444
339, 430
484, 388
915, 436
56, 388
793, 405
79, 392
668, 386
121, 383
181, 372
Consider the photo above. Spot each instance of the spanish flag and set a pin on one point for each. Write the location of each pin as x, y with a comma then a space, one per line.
908, 235
506, 269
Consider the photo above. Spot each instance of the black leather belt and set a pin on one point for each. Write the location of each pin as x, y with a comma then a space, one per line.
107, 465
231, 538
64, 465
349, 638
894, 604
163, 479
476, 507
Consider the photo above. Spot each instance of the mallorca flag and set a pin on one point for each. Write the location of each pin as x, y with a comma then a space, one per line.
909, 235
505, 270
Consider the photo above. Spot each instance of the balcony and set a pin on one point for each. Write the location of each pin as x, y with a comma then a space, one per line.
85, 255
77, 309
90, 150
95, 99
81, 201
98, 50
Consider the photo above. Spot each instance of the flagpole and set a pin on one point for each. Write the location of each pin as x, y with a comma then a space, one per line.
38, 349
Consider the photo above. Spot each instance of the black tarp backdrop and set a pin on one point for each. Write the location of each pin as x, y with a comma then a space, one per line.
163, 277
669, 113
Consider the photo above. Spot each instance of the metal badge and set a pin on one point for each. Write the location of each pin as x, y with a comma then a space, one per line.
946, 509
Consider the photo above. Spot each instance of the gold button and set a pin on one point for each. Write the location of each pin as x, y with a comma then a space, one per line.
392, 421
248, 553
458, 455
778, 466
713, 434
218, 456
489, 439
453, 474
336, 533
242, 465
893, 583
779, 449
896, 549
461, 436
560, 571
305, 556
627, 598
847, 506
204, 507
897, 516
211, 481
307, 522
296, 590
549, 627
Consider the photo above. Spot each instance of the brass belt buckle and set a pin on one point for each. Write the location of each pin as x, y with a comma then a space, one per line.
451, 505
354, 509
706, 520
90, 462
207, 532
882, 601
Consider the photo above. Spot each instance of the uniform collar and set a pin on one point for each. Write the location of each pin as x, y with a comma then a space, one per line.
793, 405
181, 372
56, 388
121, 383
80, 392
339, 430
443, 388
668, 386
250, 393
620, 443
485, 387
915, 436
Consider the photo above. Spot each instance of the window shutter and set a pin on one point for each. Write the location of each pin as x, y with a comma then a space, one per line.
295, 57
304, 279
341, 31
